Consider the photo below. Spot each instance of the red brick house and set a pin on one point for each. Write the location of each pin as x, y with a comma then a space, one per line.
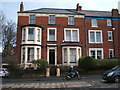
62, 36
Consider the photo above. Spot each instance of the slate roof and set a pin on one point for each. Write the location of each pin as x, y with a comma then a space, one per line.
69, 11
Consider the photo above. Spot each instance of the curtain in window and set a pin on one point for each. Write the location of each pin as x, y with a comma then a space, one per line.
92, 36
74, 35
68, 35
98, 36
72, 55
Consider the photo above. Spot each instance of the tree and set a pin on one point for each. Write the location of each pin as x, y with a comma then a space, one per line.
8, 33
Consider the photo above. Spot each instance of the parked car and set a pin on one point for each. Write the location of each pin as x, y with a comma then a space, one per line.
112, 75
4, 72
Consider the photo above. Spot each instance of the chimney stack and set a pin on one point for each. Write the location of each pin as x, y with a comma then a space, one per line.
78, 8
115, 12
21, 7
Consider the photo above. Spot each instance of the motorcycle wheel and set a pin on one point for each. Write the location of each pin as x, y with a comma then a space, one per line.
78, 77
67, 77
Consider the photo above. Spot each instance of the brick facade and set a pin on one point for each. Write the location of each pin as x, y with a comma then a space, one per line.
82, 22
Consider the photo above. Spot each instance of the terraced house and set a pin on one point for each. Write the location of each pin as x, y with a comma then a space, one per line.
62, 36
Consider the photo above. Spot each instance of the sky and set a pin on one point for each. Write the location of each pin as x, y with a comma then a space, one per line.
11, 7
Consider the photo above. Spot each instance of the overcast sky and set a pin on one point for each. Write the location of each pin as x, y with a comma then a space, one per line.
11, 7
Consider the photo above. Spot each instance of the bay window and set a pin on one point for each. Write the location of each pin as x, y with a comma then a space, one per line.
31, 34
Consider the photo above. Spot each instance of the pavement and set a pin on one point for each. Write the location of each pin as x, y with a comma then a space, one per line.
55, 83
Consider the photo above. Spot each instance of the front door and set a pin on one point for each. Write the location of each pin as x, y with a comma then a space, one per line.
52, 56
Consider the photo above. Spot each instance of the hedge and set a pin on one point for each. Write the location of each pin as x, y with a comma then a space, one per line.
89, 63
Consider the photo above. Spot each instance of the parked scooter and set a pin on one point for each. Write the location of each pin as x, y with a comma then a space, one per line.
70, 75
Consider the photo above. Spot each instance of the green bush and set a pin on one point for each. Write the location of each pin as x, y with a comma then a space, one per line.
41, 64
89, 63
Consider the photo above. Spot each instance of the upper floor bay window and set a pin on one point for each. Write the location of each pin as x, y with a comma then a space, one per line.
52, 34
52, 19
70, 20
109, 22
71, 35
31, 34
110, 36
32, 19
94, 23
96, 53
95, 36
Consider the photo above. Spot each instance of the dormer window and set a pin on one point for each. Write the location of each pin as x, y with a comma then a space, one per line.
32, 19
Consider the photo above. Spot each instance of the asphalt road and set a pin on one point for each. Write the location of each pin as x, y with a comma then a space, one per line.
93, 82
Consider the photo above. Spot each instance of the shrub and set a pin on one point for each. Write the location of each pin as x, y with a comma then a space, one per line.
41, 64
87, 63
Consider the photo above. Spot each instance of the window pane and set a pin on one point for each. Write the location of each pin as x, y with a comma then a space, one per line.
109, 22
111, 54
23, 61
74, 35
32, 19
52, 35
99, 54
92, 36
65, 55
94, 22
71, 20
68, 35
52, 19
38, 53
30, 54
92, 53
30, 33
38, 35
110, 36
72, 55
98, 36
24, 35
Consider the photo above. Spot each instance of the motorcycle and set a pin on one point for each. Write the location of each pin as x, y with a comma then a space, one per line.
70, 75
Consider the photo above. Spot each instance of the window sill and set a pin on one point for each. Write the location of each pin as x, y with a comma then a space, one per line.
71, 41
51, 41
51, 24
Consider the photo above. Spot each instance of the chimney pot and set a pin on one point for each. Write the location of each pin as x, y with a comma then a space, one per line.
78, 8
21, 7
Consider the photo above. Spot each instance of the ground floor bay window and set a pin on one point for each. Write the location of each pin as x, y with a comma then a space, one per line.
29, 53
71, 55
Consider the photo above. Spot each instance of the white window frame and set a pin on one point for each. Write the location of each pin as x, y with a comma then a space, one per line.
112, 52
48, 39
94, 22
109, 22
111, 35
95, 36
71, 20
32, 19
68, 55
35, 41
26, 53
53, 20
71, 29
96, 49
